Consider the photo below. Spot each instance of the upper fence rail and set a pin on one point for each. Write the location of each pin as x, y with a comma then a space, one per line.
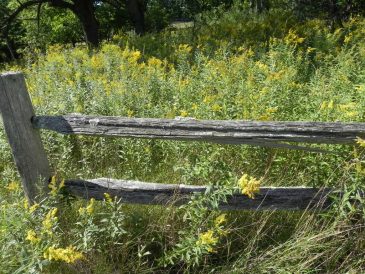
218, 131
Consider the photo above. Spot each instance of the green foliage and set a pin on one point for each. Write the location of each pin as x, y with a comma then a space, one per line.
230, 65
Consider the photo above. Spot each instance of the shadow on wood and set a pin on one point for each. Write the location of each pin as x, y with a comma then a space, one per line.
285, 198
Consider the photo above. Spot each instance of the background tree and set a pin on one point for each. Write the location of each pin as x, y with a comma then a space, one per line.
84, 10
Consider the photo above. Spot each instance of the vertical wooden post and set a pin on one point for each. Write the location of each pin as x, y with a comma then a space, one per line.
25, 141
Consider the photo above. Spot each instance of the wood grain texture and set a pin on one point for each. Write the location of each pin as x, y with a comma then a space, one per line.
135, 192
28, 152
218, 131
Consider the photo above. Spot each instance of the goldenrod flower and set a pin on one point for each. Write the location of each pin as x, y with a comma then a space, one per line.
108, 198
32, 237
68, 254
360, 142
220, 219
154, 62
13, 186
210, 250
82, 210
310, 49
50, 220
347, 38
62, 184
207, 238
91, 206
293, 38
52, 186
26, 203
184, 48
249, 185
216, 108
184, 113
135, 55
33, 208
323, 105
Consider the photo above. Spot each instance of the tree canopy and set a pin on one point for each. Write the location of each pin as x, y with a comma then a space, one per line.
38, 23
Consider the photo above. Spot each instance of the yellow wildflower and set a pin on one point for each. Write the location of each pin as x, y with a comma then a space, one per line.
276, 75
347, 38
52, 185
360, 88
26, 203
216, 108
207, 238
323, 105
194, 107
82, 210
293, 38
249, 185
240, 49
154, 62
62, 184
135, 55
91, 206
210, 250
33, 208
184, 48
310, 49
68, 254
13, 186
96, 62
263, 67
50, 220
360, 142
330, 104
351, 114
32, 237
209, 98
220, 219
108, 198
184, 113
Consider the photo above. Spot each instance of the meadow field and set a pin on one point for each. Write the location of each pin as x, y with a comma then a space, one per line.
229, 65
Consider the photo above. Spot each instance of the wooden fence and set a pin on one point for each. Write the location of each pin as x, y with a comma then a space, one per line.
22, 130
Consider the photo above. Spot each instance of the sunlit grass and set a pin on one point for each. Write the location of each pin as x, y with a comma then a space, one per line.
226, 69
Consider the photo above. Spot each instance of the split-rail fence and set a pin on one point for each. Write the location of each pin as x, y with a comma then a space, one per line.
22, 129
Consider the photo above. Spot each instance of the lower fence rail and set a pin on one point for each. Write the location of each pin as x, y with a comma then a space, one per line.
135, 192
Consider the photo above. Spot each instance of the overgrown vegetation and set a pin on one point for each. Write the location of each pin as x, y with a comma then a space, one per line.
231, 65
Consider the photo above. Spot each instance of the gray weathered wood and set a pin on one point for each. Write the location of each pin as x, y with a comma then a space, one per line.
28, 152
226, 132
135, 192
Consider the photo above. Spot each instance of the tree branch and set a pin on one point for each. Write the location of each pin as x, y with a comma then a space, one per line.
12, 16
29, 3
62, 4
39, 16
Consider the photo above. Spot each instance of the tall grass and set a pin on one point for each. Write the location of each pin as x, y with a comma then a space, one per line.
236, 67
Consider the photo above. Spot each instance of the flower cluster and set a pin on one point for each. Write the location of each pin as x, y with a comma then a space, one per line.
249, 185
68, 254
89, 209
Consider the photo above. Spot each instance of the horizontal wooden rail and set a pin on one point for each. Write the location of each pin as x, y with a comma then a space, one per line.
288, 198
219, 131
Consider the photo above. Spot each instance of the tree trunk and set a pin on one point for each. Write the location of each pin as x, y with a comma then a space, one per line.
259, 5
335, 14
136, 10
84, 10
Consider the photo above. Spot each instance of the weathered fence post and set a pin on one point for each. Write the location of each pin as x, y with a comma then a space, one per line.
25, 141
